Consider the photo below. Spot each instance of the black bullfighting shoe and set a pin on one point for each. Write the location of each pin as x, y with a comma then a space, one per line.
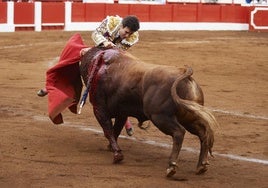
42, 93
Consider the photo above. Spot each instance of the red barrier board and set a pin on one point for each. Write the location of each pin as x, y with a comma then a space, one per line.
228, 12
95, 12
23, 13
235, 14
3, 13
117, 9
261, 18
209, 13
88, 12
78, 12
161, 13
183, 13
141, 11
53, 12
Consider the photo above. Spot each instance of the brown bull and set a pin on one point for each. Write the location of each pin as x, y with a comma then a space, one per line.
122, 85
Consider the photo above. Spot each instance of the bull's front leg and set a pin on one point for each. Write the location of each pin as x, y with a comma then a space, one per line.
118, 125
107, 126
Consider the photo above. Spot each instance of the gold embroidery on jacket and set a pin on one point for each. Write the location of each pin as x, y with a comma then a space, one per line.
113, 24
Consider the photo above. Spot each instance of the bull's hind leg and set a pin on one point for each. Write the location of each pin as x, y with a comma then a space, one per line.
170, 126
107, 126
206, 137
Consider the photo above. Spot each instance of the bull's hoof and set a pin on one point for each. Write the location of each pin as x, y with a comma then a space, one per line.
118, 157
201, 169
171, 170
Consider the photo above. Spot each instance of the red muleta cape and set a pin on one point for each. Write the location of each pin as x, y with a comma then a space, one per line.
63, 81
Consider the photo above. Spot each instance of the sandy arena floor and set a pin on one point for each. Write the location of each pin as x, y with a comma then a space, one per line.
231, 68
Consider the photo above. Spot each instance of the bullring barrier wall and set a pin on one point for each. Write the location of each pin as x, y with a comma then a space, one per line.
76, 16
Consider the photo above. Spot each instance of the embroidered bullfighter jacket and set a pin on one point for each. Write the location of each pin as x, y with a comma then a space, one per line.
109, 31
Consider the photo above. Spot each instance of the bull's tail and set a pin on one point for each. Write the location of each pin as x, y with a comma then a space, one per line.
196, 110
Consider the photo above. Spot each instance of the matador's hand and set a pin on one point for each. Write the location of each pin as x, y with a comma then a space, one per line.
84, 51
108, 44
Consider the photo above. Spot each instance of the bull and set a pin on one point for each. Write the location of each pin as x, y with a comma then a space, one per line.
120, 85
